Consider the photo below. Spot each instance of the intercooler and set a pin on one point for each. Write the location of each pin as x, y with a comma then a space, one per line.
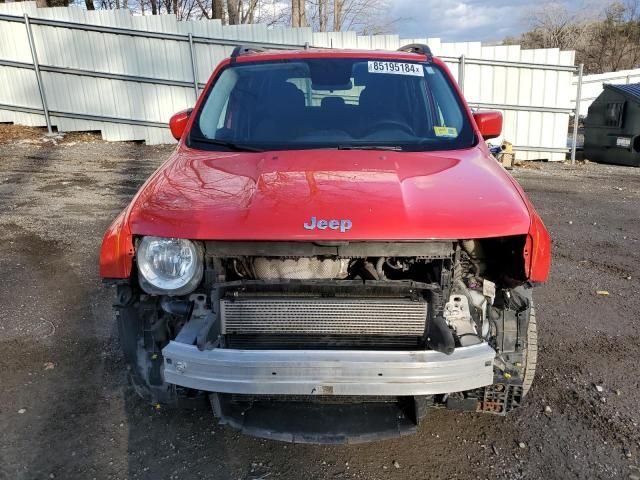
323, 316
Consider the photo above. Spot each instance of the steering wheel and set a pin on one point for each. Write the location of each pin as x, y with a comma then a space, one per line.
389, 123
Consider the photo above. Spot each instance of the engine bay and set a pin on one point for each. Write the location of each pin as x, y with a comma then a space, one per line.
348, 296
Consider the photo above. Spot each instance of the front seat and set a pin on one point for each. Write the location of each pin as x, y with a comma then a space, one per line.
282, 113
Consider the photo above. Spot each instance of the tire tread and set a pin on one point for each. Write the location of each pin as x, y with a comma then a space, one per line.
532, 353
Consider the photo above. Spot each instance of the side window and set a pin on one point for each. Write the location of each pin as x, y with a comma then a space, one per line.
446, 118
423, 111
223, 115
215, 109
448, 115
613, 114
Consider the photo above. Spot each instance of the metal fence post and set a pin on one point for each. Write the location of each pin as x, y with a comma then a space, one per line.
576, 118
461, 67
36, 67
194, 66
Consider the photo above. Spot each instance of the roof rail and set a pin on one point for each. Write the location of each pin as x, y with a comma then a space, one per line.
419, 48
245, 50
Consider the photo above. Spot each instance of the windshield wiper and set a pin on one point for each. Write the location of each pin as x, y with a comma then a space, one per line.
370, 147
223, 143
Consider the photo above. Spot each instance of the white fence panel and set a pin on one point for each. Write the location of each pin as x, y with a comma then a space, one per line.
592, 86
529, 81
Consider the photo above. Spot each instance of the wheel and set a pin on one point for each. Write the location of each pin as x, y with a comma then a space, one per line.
145, 364
532, 353
144, 367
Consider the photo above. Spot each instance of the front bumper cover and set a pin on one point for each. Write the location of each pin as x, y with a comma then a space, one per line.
328, 372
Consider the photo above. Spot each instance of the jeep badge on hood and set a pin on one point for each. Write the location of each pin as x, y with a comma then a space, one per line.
333, 224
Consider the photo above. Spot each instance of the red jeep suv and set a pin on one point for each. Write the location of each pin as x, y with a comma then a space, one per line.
330, 251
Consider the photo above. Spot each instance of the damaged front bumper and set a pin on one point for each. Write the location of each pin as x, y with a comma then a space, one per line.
328, 372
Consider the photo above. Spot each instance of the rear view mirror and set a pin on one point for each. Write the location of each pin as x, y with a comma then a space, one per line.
333, 87
178, 123
489, 124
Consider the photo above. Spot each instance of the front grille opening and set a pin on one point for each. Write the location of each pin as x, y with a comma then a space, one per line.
270, 323
322, 316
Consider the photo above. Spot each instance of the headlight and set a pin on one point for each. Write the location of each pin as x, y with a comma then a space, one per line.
169, 265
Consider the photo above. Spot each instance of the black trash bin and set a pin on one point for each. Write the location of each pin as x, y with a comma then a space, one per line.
612, 127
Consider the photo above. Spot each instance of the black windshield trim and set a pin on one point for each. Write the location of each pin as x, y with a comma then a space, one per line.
235, 147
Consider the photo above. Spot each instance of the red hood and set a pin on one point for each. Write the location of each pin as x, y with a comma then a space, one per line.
385, 195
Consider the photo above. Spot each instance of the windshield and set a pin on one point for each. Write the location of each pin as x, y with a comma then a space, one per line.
332, 103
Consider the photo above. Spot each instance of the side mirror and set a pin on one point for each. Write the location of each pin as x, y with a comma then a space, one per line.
178, 122
489, 124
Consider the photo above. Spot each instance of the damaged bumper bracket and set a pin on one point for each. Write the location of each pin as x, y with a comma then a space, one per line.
322, 372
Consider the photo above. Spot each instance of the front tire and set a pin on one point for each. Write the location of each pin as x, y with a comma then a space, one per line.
531, 354
144, 366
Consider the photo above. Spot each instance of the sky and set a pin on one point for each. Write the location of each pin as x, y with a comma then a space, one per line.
463, 20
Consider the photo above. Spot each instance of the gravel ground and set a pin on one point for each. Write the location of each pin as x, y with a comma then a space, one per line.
66, 410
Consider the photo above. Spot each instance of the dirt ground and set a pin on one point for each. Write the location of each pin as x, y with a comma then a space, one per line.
67, 412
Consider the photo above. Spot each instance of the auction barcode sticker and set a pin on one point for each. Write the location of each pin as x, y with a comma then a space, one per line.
396, 68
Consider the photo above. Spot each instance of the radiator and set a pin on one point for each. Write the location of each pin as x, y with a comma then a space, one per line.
329, 316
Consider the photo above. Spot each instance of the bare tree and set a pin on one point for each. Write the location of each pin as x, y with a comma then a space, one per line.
52, 3
217, 9
323, 17
555, 26
367, 17
604, 41
338, 6
362, 16
614, 42
275, 13
233, 11
298, 13
204, 10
